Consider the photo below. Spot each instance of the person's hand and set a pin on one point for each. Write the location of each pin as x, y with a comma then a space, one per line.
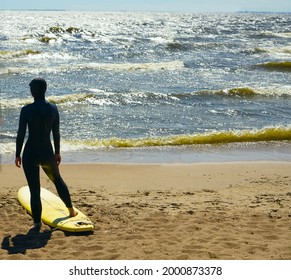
18, 162
58, 158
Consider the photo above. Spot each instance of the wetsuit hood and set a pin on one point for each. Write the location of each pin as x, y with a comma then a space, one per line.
38, 88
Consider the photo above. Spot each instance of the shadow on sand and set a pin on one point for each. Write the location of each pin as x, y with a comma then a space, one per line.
33, 239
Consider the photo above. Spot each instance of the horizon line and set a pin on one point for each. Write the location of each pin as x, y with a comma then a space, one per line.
149, 11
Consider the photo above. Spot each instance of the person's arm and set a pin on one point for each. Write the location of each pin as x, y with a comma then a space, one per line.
57, 136
20, 137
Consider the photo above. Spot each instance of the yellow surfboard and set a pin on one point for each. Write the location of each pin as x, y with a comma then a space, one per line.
55, 213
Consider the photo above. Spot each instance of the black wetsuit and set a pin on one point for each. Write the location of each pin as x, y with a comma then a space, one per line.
42, 118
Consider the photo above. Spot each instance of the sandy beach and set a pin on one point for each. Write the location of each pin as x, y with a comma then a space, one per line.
224, 211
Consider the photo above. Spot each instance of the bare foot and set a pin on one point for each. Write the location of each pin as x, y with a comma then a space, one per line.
73, 213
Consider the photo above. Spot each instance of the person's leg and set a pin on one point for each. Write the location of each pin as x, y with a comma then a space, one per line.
31, 171
51, 169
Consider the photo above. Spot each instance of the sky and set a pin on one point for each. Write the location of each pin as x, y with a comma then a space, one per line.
152, 5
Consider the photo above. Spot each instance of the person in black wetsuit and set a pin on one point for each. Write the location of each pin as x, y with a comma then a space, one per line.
42, 118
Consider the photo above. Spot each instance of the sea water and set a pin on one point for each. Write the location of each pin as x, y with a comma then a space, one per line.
152, 87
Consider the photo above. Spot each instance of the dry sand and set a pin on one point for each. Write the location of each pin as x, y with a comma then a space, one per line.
159, 211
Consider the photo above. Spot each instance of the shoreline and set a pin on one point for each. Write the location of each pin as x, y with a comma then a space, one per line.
232, 152
225, 211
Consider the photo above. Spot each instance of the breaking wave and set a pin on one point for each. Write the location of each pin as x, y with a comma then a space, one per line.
103, 98
248, 92
153, 66
17, 54
222, 137
276, 66
64, 99
214, 138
